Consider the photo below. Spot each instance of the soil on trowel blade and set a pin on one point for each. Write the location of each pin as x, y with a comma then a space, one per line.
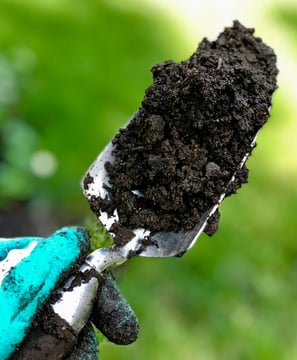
196, 123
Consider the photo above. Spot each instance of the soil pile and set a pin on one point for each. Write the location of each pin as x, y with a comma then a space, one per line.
196, 123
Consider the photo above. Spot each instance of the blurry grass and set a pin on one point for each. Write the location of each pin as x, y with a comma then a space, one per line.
100, 237
287, 16
88, 69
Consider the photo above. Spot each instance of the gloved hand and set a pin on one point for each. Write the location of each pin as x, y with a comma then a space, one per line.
30, 268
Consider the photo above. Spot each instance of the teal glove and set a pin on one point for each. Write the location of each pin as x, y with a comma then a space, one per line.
30, 268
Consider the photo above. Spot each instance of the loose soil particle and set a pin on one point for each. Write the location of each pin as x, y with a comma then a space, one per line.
196, 123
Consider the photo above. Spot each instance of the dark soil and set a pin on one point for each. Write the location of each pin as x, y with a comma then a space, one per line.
196, 123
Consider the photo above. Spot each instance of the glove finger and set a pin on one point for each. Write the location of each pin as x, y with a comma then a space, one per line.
112, 314
87, 345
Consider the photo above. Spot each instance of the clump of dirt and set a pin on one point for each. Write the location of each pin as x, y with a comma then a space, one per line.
197, 122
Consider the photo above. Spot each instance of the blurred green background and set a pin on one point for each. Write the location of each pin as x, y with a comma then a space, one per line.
73, 72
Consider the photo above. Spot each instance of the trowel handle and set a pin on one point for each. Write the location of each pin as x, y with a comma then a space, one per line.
62, 321
77, 297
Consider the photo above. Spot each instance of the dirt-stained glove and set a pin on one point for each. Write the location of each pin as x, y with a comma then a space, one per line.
30, 269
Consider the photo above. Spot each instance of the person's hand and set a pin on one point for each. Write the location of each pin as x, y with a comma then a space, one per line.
30, 268
113, 316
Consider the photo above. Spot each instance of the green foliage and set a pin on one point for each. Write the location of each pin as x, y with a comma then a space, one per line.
100, 237
77, 73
